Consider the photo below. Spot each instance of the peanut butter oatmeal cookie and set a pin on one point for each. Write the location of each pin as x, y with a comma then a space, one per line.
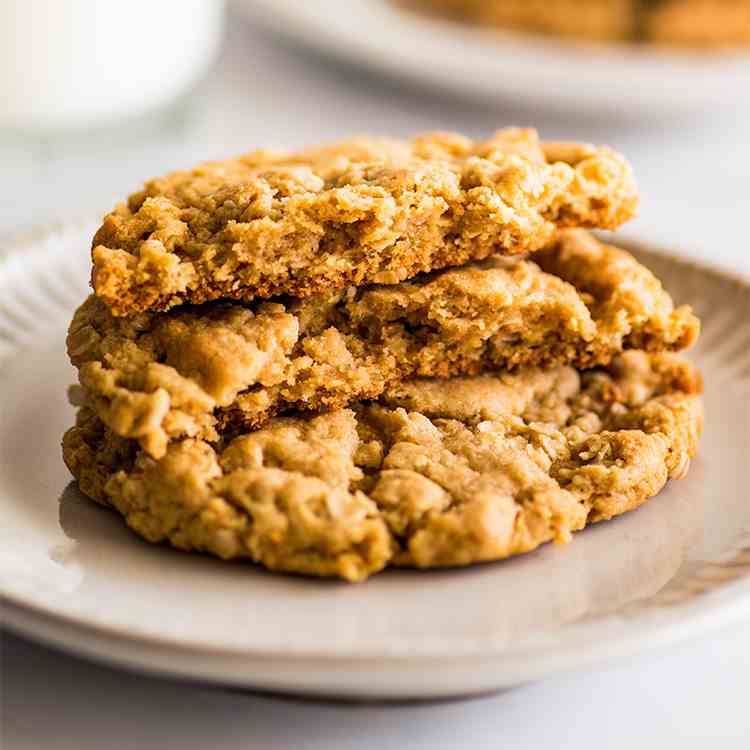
357, 212
195, 370
435, 473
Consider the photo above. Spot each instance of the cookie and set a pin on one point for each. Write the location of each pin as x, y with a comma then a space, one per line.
435, 473
193, 371
357, 212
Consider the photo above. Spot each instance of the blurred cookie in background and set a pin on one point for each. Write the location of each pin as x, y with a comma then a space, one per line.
699, 23
582, 19
692, 23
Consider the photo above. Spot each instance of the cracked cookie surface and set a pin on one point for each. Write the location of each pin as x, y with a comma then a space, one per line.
435, 473
356, 212
192, 371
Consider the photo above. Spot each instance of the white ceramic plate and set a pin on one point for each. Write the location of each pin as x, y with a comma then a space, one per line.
622, 80
73, 575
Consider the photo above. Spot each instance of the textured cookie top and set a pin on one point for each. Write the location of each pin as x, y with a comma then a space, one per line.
357, 212
158, 376
437, 473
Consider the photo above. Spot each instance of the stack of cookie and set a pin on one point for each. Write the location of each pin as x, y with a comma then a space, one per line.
378, 353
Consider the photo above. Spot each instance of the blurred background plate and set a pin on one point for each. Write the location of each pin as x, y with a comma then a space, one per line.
583, 78
73, 575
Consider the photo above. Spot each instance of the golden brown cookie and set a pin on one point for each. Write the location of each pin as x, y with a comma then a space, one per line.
195, 370
435, 473
357, 212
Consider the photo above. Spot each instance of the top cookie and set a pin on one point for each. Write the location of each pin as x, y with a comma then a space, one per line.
356, 212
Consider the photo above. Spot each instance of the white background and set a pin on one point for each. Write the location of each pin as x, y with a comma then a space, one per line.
694, 176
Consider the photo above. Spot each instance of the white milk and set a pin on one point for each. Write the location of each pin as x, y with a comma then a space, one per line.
70, 64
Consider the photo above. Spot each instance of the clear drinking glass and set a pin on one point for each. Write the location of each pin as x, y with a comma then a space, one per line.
80, 65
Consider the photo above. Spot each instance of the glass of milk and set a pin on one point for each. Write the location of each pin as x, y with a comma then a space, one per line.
78, 65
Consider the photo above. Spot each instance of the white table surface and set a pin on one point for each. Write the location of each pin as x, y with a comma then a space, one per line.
694, 177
